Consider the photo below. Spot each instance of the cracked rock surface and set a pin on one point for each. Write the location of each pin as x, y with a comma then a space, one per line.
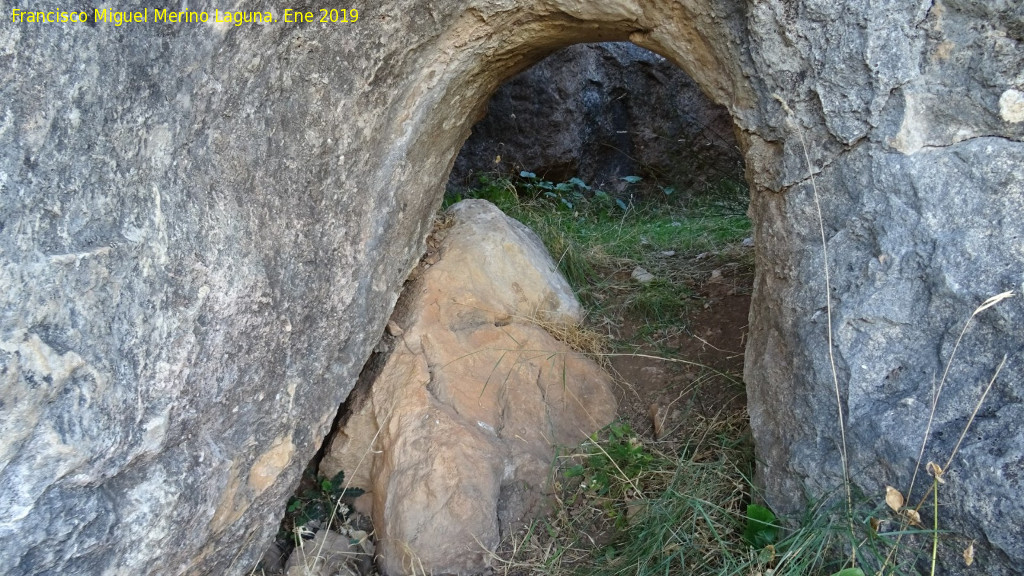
601, 112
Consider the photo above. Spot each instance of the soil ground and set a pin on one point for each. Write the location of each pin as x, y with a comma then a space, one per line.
694, 367
697, 372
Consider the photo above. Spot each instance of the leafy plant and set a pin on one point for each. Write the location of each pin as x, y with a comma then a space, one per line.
320, 500
563, 194
614, 461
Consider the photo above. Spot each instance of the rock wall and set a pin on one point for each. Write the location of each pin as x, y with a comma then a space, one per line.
600, 112
203, 228
917, 168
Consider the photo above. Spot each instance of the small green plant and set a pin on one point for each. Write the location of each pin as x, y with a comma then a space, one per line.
616, 459
497, 190
761, 529
320, 500
567, 195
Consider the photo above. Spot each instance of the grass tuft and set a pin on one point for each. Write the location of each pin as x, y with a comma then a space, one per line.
627, 505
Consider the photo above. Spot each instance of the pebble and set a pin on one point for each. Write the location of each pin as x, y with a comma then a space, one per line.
642, 276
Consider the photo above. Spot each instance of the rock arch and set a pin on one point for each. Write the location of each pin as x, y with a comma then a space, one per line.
204, 227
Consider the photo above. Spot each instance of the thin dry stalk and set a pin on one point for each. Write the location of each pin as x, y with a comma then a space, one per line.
675, 360
904, 522
828, 308
942, 382
967, 427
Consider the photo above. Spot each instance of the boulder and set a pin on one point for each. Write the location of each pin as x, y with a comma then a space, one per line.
601, 112
458, 432
327, 554
204, 228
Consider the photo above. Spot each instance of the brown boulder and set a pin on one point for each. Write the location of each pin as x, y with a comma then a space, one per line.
457, 434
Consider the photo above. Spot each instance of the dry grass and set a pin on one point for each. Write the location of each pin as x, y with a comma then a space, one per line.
579, 337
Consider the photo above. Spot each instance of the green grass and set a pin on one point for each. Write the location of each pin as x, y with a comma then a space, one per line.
687, 520
598, 240
628, 506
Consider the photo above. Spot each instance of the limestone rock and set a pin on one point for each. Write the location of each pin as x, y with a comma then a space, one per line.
459, 430
601, 112
641, 275
919, 180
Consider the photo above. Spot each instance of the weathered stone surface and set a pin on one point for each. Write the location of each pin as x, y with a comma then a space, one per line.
327, 554
203, 229
457, 434
601, 112
920, 184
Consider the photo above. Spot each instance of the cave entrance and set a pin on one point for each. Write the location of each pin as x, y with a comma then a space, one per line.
635, 182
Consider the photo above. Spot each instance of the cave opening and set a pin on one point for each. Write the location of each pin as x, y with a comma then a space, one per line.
634, 181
